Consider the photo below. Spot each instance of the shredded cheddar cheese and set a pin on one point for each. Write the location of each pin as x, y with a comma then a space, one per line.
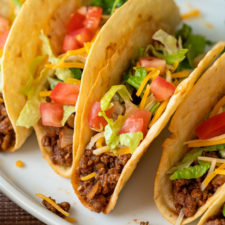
123, 151
1, 53
72, 81
1, 100
190, 15
175, 65
158, 113
88, 177
219, 104
100, 142
19, 163
142, 86
144, 98
65, 65
182, 74
203, 143
55, 205
70, 219
87, 46
45, 93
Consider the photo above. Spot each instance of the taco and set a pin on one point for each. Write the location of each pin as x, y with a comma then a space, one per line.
138, 88
51, 57
11, 137
215, 215
191, 174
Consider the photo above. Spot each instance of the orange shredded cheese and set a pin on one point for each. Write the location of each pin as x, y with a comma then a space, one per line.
158, 113
123, 151
175, 65
203, 143
19, 163
144, 98
1, 100
213, 174
1, 53
88, 177
142, 86
66, 65
72, 81
45, 93
192, 14
219, 104
100, 142
182, 74
70, 219
55, 205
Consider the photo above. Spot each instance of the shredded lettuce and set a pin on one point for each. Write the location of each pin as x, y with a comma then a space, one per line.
30, 113
154, 108
68, 111
63, 74
122, 91
177, 57
53, 82
77, 73
131, 140
138, 77
191, 172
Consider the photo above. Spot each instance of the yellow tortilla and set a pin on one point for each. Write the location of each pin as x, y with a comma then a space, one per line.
214, 209
204, 95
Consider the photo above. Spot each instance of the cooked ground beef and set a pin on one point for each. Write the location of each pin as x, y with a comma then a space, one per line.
144, 223
7, 134
64, 205
60, 141
97, 191
219, 219
187, 194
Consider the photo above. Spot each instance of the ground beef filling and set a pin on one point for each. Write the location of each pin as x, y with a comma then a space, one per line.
64, 205
97, 191
187, 194
7, 134
219, 219
59, 141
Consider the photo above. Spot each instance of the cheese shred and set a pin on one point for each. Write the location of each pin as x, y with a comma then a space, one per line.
88, 177
45, 93
55, 205
144, 98
192, 14
219, 104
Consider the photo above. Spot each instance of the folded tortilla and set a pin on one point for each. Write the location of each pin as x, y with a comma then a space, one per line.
12, 107
214, 209
115, 48
204, 95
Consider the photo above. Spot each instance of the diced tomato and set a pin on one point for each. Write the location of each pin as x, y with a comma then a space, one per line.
93, 18
136, 122
76, 22
162, 89
65, 94
76, 39
3, 38
51, 114
4, 24
212, 127
153, 62
94, 120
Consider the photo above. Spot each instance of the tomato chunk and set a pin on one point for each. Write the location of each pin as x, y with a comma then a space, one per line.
212, 127
51, 114
153, 62
94, 120
93, 18
3, 38
136, 122
162, 89
65, 94
76, 22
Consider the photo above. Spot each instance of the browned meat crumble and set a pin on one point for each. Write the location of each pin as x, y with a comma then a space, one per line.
218, 219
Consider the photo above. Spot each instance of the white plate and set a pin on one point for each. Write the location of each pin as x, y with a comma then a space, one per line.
136, 200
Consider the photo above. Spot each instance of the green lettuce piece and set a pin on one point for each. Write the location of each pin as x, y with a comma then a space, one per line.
138, 77
177, 57
131, 140
68, 111
30, 113
191, 172
53, 82
154, 108
63, 74
122, 91
224, 210
77, 73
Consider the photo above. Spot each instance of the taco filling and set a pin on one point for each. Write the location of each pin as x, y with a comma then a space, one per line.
202, 170
218, 219
7, 134
53, 88
125, 113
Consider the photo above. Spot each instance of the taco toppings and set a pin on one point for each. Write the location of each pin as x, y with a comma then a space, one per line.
202, 170
123, 116
218, 219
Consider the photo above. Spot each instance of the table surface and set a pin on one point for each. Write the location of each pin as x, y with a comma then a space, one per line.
11, 214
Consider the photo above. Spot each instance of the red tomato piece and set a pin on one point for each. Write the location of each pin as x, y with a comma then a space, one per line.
136, 122
3, 38
51, 114
94, 120
76, 22
70, 43
153, 62
93, 18
4, 24
65, 94
162, 89
212, 127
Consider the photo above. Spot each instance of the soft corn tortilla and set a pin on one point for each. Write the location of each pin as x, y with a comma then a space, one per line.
9, 95
23, 46
115, 48
214, 209
204, 95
